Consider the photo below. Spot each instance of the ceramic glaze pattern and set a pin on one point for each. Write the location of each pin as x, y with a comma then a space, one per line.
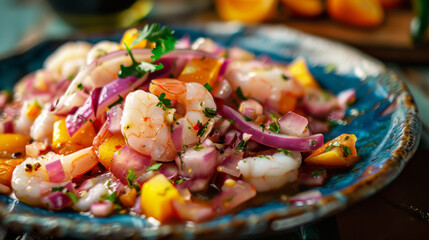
385, 141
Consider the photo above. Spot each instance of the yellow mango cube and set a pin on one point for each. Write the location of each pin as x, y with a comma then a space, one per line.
156, 196
201, 70
13, 143
298, 68
33, 110
60, 135
129, 36
109, 147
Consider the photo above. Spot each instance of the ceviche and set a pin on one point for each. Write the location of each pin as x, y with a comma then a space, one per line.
168, 129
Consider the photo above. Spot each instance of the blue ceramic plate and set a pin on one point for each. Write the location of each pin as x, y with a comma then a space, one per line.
385, 121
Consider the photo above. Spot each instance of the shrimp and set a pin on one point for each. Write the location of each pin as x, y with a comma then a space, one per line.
72, 52
143, 126
269, 172
42, 127
197, 102
30, 180
268, 85
100, 49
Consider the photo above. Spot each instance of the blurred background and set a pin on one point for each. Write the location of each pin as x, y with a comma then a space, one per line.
394, 31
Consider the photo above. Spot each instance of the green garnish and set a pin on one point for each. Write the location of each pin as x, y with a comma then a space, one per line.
263, 156
164, 103
229, 120
262, 127
229, 199
179, 181
247, 119
286, 152
111, 197
242, 146
131, 177
57, 189
202, 130
240, 94
328, 148
274, 126
80, 86
208, 87
180, 158
198, 147
210, 112
154, 167
73, 197
347, 151
164, 43
285, 77
317, 173
70, 77
314, 142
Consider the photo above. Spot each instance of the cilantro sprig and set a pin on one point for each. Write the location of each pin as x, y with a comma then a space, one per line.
164, 42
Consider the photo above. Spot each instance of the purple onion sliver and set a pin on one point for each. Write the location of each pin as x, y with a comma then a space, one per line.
307, 197
57, 200
55, 171
114, 116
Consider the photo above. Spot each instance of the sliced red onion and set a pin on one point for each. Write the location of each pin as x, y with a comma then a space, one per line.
194, 185
70, 187
8, 126
305, 198
114, 116
169, 170
85, 113
102, 209
319, 103
293, 124
312, 176
224, 68
145, 176
344, 98
197, 162
317, 126
190, 211
251, 108
57, 201
125, 159
183, 43
137, 206
222, 90
118, 88
55, 171
231, 136
229, 165
231, 197
88, 184
272, 139
177, 135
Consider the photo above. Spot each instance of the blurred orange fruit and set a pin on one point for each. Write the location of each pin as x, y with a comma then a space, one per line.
359, 13
250, 11
305, 8
391, 3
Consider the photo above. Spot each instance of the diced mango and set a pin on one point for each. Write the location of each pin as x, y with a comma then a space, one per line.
156, 198
128, 199
109, 147
33, 110
298, 68
201, 70
287, 103
339, 152
60, 134
129, 36
84, 136
13, 143
6, 169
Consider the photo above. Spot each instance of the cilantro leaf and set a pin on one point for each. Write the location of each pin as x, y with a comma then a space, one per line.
286, 152
73, 197
274, 126
317, 173
208, 87
131, 176
240, 94
164, 102
242, 146
154, 167
210, 112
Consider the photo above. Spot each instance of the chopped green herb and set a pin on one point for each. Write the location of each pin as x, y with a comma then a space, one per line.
346, 151
119, 101
242, 146
111, 197
73, 197
239, 93
229, 120
80, 86
314, 142
262, 127
263, 156
154, 167
328, 148
57, 189
70, 77
326, 95
210, 112
274, 126
229, 199
285, 77
286, 152
198, 147
330, 68
247, 119
131, 176
180, 181
180, 158
163, 102
109, 183
208, 87
317, 173
184, 146
202, 130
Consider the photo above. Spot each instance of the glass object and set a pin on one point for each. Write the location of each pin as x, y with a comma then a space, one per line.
101, 13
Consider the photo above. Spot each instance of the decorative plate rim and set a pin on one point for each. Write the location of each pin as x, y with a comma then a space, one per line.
288, 217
